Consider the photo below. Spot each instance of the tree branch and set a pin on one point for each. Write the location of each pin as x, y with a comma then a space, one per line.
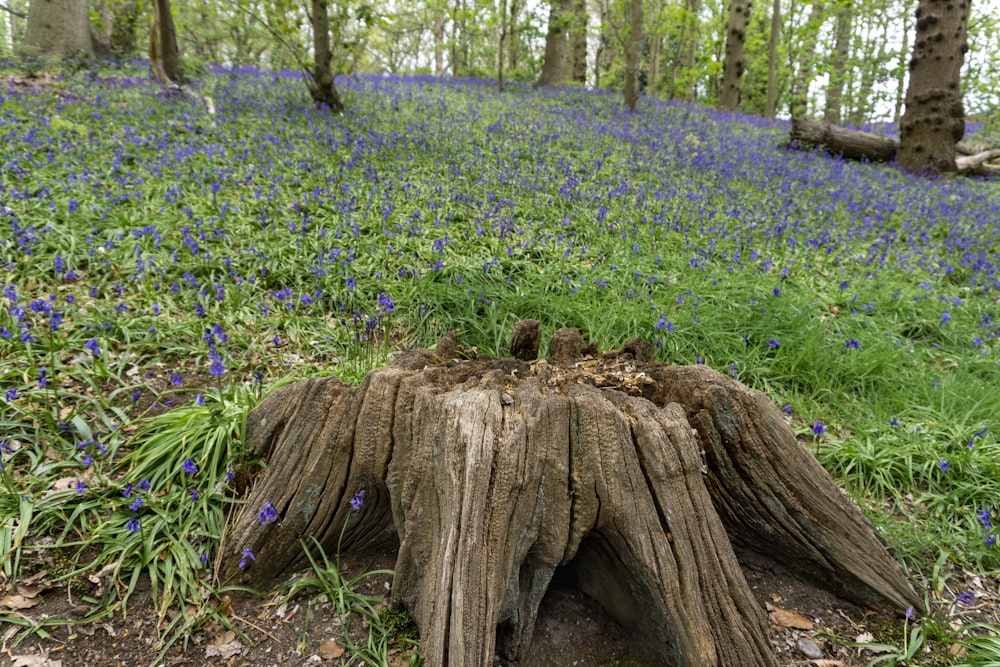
20, 15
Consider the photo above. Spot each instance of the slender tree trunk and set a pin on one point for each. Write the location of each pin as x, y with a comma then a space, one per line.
869, 73
501, 44
322, 87
578, 40
514, 45
170, 59
438, 34
682, 72
902, 69
655, 56
771, 102
800, 86
934, 120
844, 11
633, 55
58, 28
734, 63
554, 65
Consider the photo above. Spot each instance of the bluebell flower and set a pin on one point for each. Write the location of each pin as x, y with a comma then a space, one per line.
267, 514
247, 557
189, 467
93, 347
132, 525
357, 500
818, 428
944, 465
773, 342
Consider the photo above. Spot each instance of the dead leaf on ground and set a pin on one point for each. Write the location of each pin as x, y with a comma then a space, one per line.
824, 662
34, 661
225, 651
788, 619
13, 602
225, 637
330, 650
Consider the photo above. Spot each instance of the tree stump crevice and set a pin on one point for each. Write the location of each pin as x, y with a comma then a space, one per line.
489, 475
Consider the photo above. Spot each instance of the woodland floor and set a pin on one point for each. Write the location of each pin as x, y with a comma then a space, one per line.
572, 629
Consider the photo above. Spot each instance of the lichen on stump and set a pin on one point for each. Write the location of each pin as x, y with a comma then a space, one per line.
488, 474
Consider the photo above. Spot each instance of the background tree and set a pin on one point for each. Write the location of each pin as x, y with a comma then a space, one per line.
554, 63
164, 56
58, 28
934, 120
734, 64
843, 12
633, 54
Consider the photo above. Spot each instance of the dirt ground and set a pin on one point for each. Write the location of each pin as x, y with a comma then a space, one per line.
572, 629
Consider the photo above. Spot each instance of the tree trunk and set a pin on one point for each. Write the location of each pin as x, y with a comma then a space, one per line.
771, 102
844, 11
841, 141
322, 87
578, 41
800, 85
682, 74
501, 44
58, 28
934, 120
170, 59
490, 474
633, 54
734, 63
513, 50
554, 63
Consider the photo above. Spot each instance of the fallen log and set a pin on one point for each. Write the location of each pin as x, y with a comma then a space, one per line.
857, 145
489, 474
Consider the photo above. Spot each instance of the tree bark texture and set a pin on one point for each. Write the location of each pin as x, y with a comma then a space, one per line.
58, 27
170, 59
633, 54
322, 87
934, 120
856, 145
771, 101
487, 475
578, 41
734, 63
555, 60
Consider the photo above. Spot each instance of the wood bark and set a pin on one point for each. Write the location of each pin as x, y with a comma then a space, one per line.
322, 87
771, 102
554, 61
170, 59
578, 41
934, 120
487, 475
633, 55
734, 63
58, 28
856, 145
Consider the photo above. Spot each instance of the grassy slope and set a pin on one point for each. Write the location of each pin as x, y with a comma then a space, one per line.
151, 255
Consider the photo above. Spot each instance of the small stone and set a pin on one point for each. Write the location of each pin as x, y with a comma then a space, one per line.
808, 648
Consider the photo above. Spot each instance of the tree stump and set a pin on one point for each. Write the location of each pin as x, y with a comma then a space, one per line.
488, 474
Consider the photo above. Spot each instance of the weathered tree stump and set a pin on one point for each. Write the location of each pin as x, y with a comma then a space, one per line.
489, 474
